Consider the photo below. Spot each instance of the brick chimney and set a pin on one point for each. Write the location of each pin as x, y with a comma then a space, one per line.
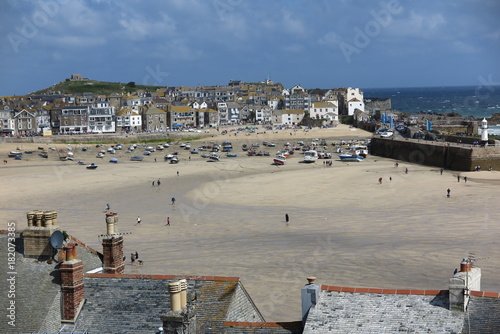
112, 247
462, 283
309, 296
71, 272
181, 319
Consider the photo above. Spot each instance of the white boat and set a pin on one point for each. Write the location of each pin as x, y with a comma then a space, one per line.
174, 160
92, 166
213, 157
280, 159
350, 157
360, 150
168, 156
310, 156
99, 155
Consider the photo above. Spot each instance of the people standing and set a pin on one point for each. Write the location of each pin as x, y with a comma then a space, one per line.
448, 192
138, 220
441, 171
177, 173
173, 200
158, 182
406, 170
168, 221
458, 178
153, 184
136, 255
287, 218
108, 207
465, 179
379, 180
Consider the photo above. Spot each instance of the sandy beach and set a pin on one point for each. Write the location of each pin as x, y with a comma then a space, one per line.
229, 218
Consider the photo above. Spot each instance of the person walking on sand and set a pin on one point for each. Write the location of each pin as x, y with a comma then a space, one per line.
177, 173
107, 207
138, 221
173, 200
379, 180
441, 170
158, 182
168, 221
153, 184
465, 179
287, 218
458, 178
448, 192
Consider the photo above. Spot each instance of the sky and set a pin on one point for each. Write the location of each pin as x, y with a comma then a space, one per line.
314, 43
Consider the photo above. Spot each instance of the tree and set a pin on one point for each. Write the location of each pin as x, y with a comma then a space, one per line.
131, 84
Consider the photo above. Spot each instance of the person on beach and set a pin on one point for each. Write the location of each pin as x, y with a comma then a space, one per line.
177, 173
136, 255
107, 207
465, 179
441, 170
458, 178
390, 179
448, 192
173, 200
379, 180
406, 170
456, 271
138, 220
132, 257
168, 221
153, 184
158, 182
287, 218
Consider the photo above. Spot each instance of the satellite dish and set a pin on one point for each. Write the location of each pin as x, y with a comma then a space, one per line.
56, 239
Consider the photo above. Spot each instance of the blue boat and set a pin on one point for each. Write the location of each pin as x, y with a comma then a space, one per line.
350, 157
114, 160
231, 155
137, 158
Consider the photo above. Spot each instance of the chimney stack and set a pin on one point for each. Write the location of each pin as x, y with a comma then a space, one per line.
36, 238
466, 280
181, 319
71, 272
112, 247
310, 296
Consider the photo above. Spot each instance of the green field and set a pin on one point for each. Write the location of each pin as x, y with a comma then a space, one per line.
96, 87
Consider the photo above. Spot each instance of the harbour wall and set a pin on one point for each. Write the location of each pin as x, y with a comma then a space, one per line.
446, 155
105, 138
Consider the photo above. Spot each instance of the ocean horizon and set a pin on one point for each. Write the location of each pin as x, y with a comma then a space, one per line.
477, 101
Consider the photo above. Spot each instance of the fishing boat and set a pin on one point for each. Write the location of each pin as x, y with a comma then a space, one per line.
137, 158
310, 156
350, 156
280, 159
13, 154
28, 152
92, 166
213, 157
360, 150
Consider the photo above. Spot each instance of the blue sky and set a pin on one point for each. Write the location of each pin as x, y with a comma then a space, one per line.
316, 43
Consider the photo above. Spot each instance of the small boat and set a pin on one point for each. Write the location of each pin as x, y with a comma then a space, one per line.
159, 147
43, 155
213, 157
28, 152
92, 166
99, 155
111, 150
194, 151
84, 148
137, 158
168, 156
146, 153
13, 153
310, 156
18, 157
231, 155
80, 163
280, 159
118, 146
113, 160
174, 160
350, 157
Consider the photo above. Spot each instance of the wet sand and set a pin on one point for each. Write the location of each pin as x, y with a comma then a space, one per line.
228, 220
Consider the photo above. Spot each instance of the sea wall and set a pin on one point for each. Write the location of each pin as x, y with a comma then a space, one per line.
105, 138
440, 154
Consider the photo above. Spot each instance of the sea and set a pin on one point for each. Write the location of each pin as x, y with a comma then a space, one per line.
481, 101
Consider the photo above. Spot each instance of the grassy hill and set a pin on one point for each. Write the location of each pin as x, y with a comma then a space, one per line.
96, 87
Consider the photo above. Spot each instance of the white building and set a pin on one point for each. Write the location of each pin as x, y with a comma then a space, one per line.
325, 110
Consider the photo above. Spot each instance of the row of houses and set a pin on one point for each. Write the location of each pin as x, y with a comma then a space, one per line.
174, 108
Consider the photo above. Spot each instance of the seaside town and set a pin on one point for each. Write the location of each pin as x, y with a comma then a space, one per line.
160, 241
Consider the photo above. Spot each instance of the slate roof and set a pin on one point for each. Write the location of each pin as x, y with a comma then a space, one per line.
37, 291
348, 312
135, 303
483, 315
262, 328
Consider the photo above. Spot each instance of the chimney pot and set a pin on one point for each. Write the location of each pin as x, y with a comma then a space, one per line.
175, 297
311, 280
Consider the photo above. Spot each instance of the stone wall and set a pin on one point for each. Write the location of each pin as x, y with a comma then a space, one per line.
439, 154
103, 138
